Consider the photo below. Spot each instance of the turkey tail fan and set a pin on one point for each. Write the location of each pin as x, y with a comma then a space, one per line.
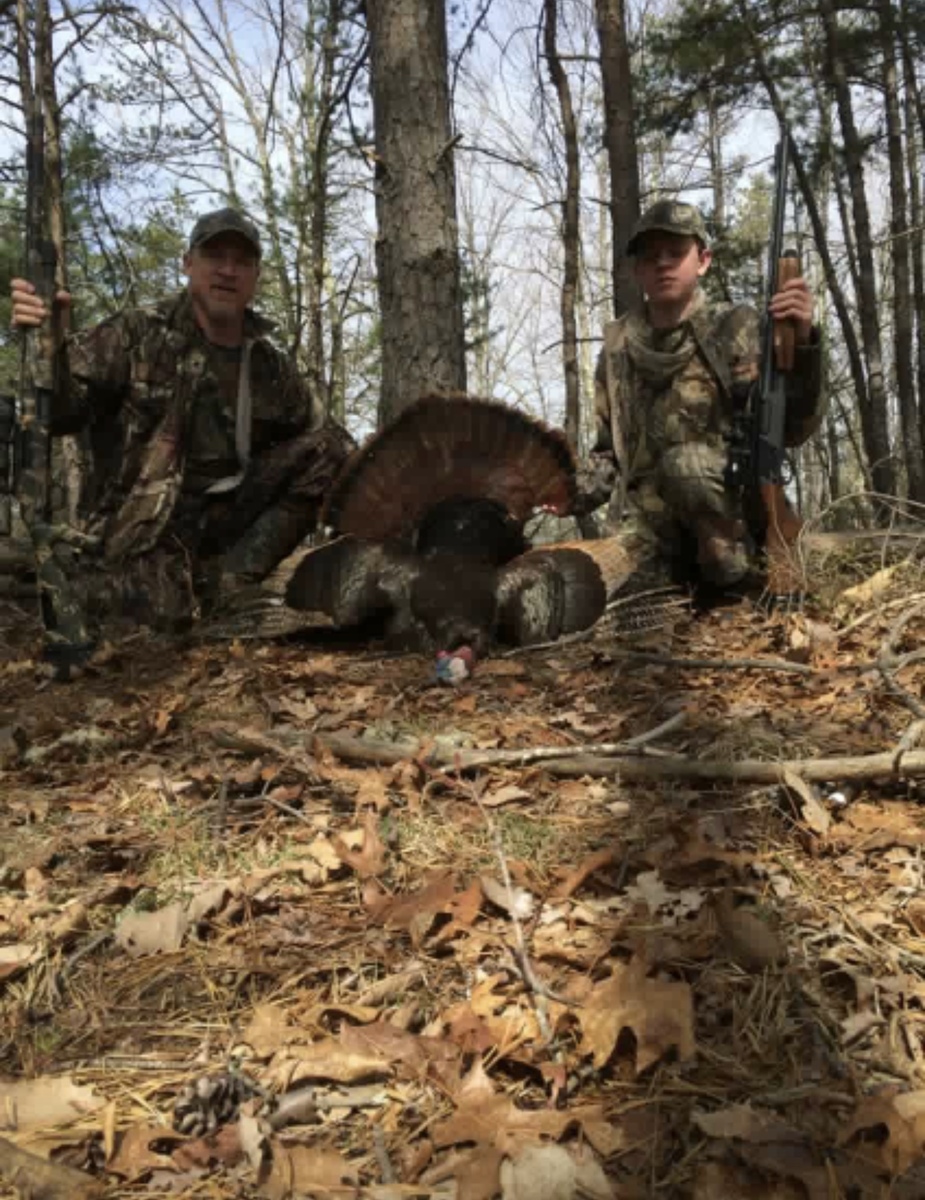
444, 448
560, 589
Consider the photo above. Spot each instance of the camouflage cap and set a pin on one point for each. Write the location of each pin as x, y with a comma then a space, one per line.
669, 216
224, 220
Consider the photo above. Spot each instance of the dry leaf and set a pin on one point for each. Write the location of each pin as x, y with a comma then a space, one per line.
369, 860
902, 1115
517, 902
268, 1029
594, 862
331, 1058
748, 939
45, 1102
659, 1013
553, 1173
134, 1155
505, 795
303, 1170
747, 1124
812, 811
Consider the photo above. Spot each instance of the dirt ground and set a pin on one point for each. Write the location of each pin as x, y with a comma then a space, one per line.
292, 920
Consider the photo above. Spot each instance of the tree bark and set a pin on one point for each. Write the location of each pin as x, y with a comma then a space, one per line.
874, 415
620, 138
417, 251
570, 226
899, 259
915, 133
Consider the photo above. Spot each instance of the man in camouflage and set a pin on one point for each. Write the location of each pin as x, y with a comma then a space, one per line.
210, 455
669, 382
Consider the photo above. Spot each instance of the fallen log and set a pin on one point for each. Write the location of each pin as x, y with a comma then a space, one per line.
576, 761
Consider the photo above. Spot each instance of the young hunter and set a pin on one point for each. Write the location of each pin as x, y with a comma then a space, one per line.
210, 456
669, 381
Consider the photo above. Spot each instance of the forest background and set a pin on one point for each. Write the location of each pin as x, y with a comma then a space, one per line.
498, 150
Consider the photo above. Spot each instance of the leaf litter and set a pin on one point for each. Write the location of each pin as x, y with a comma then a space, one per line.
376, 976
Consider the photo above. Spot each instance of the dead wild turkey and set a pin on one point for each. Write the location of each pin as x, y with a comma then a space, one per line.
431, 552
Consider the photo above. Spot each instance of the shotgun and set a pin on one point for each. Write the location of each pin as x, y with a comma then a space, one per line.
757, 452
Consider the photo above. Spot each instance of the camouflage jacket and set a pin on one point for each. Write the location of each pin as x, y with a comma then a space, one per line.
635, 421
160, 406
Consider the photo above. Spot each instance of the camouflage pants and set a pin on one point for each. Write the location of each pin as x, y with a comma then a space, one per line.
209, 540
681, 522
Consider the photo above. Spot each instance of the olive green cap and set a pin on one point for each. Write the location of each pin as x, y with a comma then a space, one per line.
224, 220
669, 216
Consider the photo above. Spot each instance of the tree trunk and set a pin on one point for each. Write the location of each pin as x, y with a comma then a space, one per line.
620, 138
319, 189
914, 145
899, 258
833, 282
570, 229
717, 178
417, 251
875, 415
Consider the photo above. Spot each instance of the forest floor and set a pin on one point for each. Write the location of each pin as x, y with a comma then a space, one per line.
281, 919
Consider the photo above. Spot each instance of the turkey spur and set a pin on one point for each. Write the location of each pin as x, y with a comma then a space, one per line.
431, 551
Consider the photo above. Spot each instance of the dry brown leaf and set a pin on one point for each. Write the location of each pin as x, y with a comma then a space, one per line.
223, 1146
44, 1102
867, 592
134, 1155
902, 1115
306, 1170
17, 957
484, 1115
505, 795
573, 881
517, 902
268, 1029
813, 812
658, 1012
554, 1173
342, 1060
410, 1054
475, 1173
731, 1181
369, 860
748, 939
416, 911
747, 1124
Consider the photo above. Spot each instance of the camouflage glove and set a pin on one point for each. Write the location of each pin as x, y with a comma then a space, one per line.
596, 482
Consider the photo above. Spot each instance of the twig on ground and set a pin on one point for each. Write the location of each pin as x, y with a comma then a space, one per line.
519, 951
900, 602
571, 761
888, 664
723, 664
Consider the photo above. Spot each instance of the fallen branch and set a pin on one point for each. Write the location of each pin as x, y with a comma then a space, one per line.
42, 1180
593, 760
722, 664
365, 750
888, 664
